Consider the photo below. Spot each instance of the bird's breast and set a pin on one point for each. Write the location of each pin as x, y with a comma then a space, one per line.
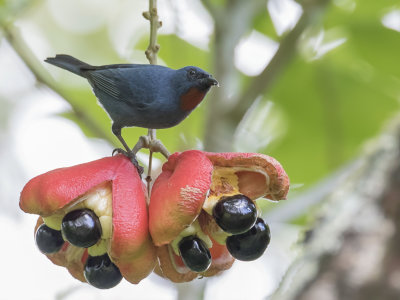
191, 99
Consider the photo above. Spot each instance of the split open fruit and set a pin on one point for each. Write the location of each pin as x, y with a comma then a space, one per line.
203, 214
93, 217
93, 220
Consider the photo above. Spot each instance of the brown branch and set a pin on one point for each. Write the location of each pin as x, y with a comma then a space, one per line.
151, 54
280, 60
234, 20
214, 11
287, 49
16, 41
353, 250
152, 16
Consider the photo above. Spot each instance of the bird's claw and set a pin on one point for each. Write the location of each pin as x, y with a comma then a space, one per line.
120, 151
132, 158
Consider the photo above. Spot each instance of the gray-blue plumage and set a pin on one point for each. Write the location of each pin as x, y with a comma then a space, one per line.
148, 96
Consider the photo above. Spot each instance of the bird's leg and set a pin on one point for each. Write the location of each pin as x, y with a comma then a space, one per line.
128, 152
117, 132
153, 145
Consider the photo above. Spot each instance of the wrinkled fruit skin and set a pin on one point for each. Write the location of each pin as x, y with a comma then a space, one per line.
201, 215
251, 244
187, 200
129, 244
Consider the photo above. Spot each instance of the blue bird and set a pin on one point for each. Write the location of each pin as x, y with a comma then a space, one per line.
148, 96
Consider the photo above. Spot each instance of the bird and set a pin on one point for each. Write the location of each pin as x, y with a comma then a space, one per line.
141, 95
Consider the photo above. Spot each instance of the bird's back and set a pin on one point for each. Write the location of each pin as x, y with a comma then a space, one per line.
143, 95
136, 95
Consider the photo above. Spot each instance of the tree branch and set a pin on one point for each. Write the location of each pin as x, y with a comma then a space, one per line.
151, 54
152, 16
353, 251
234, 21
287, 48
212, 9
14, 38
280, 60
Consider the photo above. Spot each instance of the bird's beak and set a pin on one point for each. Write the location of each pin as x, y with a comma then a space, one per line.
211, 81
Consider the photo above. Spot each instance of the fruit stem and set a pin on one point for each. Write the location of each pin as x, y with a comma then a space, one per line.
151, 54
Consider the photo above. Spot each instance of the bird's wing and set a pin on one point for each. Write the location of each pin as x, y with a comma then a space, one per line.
120, 66
112, 83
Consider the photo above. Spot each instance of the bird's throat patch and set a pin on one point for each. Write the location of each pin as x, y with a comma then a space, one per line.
191, 98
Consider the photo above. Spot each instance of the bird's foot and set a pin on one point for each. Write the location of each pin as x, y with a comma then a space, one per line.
132, 158
153, 145
120, 151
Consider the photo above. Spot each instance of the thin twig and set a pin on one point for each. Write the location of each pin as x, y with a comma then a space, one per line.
212, 9
152, 16
262, 82
287, 48
151, 54
16, 41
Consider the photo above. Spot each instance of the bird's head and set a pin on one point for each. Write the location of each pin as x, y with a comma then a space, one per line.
196, 77
193, 83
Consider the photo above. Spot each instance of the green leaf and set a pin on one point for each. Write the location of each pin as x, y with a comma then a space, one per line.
263, 23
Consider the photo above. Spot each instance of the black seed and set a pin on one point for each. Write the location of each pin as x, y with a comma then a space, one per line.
251, 244
81, 228
235, 214
195, 253
101, 272
48, 240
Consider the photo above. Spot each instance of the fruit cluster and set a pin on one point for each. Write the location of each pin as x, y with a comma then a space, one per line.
85, 225
202, 216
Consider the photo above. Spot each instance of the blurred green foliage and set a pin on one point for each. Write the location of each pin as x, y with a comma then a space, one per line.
332, 102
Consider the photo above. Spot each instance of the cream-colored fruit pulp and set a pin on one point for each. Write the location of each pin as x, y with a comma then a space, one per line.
193, 229
99, 200
224, 183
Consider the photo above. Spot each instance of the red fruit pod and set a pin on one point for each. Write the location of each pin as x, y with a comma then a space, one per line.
184, 194
115, 179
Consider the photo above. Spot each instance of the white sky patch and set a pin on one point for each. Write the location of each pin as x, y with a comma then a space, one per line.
254, 52
39, 278
324, 41
126, 26
34, 37
188, 19
392, 20
11, 81
194, 24
81, 16
45, 141
256, 280
284, 14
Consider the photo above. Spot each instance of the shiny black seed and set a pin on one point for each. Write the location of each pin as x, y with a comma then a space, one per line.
48, 240
251, 244
101, 272
235, 214
81, 228
194, 253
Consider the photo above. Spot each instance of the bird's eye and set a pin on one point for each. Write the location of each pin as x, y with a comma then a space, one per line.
192, 72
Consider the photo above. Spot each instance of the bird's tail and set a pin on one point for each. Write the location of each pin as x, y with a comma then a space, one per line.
69, 63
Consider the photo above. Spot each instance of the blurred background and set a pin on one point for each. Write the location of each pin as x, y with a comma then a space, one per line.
306, 82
